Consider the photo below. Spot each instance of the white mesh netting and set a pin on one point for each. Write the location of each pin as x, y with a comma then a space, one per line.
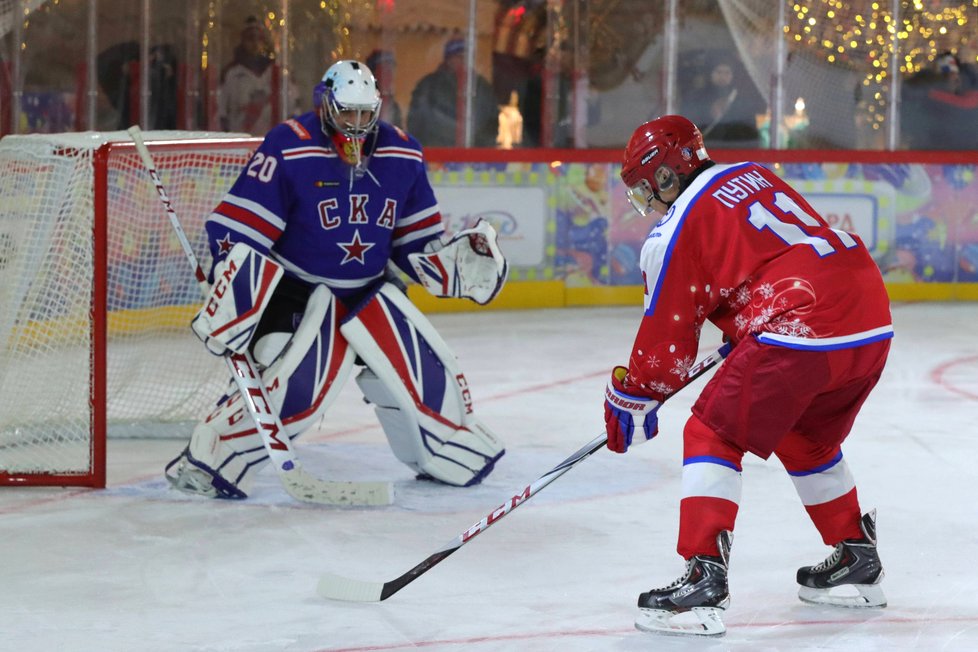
159, 379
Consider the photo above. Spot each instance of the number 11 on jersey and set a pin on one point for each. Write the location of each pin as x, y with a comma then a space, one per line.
761, 217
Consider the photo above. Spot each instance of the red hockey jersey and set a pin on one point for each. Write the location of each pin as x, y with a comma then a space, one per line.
742, 248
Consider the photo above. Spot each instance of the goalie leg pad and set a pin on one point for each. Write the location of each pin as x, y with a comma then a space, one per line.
420, 395
302, 383
444, 452
243, 286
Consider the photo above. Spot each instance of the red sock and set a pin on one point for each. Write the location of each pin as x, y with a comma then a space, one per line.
711, 489
837, 519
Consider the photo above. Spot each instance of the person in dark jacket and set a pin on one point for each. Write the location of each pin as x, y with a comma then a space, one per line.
439, 98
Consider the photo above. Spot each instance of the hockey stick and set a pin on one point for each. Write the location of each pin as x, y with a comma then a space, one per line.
299, 484
336, 587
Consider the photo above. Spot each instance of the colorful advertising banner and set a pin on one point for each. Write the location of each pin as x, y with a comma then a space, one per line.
571, 222
920, 221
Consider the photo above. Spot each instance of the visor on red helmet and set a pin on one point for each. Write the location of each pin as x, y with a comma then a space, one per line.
642, 194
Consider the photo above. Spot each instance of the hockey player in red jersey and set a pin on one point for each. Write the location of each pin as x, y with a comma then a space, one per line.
808, 316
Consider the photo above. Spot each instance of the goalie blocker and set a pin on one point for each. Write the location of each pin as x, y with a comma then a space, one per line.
420, 394
243, 286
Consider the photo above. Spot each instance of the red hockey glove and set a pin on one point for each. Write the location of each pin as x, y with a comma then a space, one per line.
624, 412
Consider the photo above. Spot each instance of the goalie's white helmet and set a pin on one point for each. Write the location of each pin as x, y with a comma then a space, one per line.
350, 99
349, 106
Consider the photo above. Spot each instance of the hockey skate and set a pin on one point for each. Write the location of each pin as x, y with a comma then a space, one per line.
189, 475
702, 591
850, 576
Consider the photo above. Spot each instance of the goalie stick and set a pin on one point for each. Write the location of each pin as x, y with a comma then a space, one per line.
299, 484
336, 587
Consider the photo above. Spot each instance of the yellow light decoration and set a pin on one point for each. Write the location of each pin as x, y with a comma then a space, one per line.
865, 42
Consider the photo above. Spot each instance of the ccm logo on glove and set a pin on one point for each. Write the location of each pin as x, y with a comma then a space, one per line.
220, 287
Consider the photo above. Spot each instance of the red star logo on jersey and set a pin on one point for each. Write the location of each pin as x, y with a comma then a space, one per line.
225, 243
354, 249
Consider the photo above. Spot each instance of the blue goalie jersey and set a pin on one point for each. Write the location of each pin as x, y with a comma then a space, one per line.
295, 202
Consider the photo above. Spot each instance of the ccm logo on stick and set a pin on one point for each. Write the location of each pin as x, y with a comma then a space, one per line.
496, 514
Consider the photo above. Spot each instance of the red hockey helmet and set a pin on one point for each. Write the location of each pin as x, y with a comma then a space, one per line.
660, 154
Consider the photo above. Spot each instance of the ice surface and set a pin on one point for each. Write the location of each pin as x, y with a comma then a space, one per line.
137, 567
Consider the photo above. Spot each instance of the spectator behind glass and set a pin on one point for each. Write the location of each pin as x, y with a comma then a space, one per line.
726, 105
439, 98
246, 97
382, 64
534, 103
118, 72
940, 106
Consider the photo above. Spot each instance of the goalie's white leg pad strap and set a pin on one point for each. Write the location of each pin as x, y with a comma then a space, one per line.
302, 383
420, 394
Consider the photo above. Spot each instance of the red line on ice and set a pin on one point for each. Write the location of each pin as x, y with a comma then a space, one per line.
597, 633
938, 376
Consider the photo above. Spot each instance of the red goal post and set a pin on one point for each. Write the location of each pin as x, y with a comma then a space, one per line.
96, 296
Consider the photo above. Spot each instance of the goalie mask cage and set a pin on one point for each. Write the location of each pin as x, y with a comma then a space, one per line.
96, 296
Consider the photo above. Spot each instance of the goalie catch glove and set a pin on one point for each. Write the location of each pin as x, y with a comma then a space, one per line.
243, 286
625, 413
470, 265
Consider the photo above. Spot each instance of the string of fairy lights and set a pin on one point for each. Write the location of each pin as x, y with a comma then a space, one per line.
847, 33
339, 14
863, 36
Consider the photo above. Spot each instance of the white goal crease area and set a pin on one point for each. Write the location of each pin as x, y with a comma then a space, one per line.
96, 295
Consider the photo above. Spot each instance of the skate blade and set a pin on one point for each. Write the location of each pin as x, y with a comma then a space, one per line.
195, 484
698, 621
851, 596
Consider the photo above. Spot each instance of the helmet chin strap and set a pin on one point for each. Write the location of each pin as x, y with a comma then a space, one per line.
663, 204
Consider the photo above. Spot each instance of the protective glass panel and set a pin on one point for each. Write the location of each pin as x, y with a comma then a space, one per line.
722, 80
626, 72
246, 88
52, 73
117, 62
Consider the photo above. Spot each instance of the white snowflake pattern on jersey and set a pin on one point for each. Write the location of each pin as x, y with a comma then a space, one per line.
767, 282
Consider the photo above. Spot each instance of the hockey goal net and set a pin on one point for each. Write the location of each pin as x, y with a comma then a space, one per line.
96, 296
